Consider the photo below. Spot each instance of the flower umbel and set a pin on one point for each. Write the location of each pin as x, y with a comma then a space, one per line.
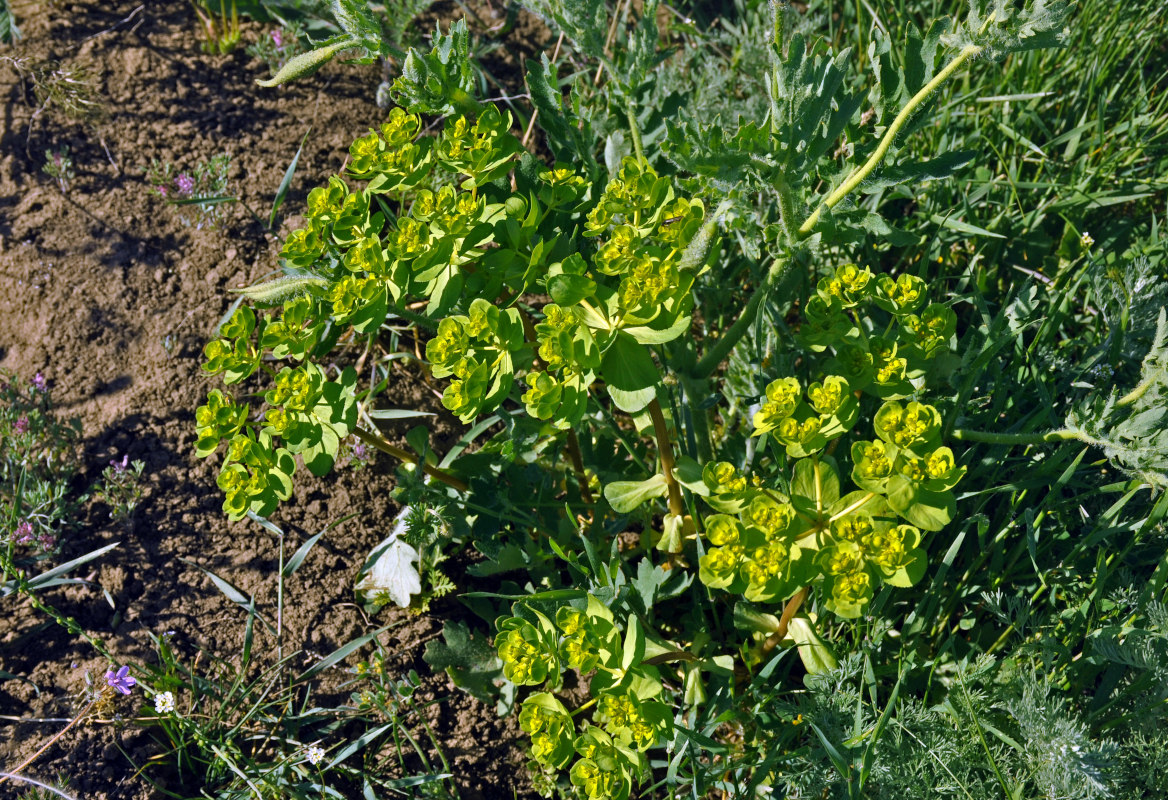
314, 754
163, 702
121, 680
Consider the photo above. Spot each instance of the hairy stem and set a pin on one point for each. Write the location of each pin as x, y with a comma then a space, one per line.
987, 437
374, 440
858, 176
1136, 393
661, 432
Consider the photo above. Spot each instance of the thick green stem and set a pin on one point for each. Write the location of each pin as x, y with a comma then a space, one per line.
857, 177
731, 337
374, 440
1020, 438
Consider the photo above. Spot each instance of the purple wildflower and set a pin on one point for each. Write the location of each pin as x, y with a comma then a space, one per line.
162, 190
21, 425
185, 185
360, 451
121, 466
23, 533
278, 39
120, 680
47, 541
39, 382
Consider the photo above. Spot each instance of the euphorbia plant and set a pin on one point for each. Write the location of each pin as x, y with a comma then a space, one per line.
676, 527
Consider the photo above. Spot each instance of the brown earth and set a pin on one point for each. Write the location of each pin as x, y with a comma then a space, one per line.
111, 297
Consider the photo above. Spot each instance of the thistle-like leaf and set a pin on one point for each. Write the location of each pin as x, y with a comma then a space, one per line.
1000, 27
585, 22
439, 82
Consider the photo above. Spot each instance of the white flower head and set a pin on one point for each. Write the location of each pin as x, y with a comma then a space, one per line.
164, 702
314, 754
1086, 240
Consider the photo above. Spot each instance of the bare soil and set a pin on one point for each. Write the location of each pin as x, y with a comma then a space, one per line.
111, 297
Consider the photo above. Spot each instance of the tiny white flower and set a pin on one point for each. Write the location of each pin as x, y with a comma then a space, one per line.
314, 754
164, 702
1086, 240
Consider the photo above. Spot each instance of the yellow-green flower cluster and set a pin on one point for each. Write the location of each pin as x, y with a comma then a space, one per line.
862, 550
753, 554
219, 419
527, 659
806, 427
647, 231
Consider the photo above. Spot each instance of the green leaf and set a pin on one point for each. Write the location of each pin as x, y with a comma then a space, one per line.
689, 474
568, 290
569, 137
626, 496
815, 486
439, 82
815, 654
634, 647
664, 329
928, 510
286, 183
469, 660
8, 30
281, 289
912, 572
629, 374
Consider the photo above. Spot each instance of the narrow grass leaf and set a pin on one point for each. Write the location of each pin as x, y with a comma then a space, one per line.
282, 192
342, 652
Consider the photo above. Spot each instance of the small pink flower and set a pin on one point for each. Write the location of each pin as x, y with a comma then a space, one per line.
38, 382
185, 184
23, 533
278, 38
21, 425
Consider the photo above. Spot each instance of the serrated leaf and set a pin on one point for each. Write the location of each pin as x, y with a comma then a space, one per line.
469, 660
